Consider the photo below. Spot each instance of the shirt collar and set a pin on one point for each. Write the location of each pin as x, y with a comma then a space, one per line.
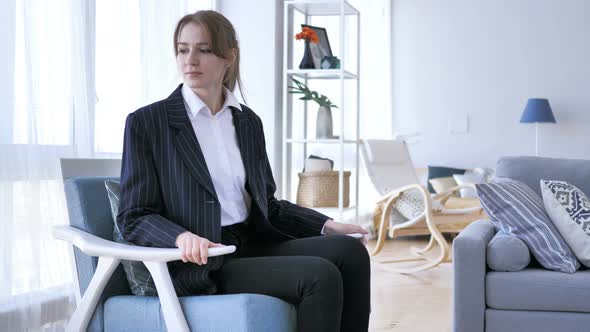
196, 104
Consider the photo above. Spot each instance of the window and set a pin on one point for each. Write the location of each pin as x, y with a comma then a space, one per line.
135, 63
79, 68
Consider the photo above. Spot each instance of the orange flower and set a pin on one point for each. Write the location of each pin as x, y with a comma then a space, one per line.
308, 34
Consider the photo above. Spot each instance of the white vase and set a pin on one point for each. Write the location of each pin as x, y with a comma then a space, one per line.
324, 123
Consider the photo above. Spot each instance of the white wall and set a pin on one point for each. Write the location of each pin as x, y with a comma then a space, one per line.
259, 25
484, 59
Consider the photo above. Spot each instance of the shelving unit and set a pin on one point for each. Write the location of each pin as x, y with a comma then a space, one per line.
342, 10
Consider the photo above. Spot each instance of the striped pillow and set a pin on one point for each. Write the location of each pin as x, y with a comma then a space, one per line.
516, 209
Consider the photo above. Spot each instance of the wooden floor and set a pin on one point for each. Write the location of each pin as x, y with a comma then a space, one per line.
410, 303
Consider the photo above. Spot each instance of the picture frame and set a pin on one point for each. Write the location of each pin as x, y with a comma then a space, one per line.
322, 48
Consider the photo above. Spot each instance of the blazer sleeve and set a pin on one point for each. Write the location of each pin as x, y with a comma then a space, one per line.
140, 203
293, 219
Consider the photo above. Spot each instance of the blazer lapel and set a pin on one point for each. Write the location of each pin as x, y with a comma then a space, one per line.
186, 142
244, 134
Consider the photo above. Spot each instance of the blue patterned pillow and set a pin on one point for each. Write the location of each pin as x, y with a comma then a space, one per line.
516, 209
569, 209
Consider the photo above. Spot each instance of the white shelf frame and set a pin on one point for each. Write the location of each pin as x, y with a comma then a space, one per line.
310, 8
334, 74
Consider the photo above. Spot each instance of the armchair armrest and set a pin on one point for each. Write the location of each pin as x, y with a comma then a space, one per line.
93, 245
109, 255
469, 270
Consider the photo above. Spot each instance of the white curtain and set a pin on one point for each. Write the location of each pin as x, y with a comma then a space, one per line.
135, 63
76, 69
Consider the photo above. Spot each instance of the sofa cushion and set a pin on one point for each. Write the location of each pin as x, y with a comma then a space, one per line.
538, 289
507, 253
569, 209
537, 321
441, 172
469, 178
515, 209
530, 170
441, 185
138, 276
236, 312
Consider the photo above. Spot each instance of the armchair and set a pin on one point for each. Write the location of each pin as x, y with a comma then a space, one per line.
392, 173
107, 303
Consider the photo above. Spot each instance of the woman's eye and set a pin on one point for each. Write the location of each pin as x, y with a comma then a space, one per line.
183, 51
205, 50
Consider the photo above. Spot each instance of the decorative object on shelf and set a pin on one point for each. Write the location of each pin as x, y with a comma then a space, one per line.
324, 118
320, 49
309, 35
330, 62
320, 189
537, 111
323, 128
316, 163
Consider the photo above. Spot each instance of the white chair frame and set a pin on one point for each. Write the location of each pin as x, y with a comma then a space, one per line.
109, 255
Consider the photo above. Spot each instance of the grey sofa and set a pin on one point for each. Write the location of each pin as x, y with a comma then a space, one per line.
533, 299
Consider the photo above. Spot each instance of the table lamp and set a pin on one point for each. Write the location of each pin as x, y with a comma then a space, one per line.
537, 111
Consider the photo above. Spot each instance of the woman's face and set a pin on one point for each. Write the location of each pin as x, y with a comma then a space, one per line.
200, 68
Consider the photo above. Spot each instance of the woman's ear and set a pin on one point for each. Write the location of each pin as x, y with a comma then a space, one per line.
232, 56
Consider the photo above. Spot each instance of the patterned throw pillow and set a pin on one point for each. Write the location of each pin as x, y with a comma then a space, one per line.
138, 276
569, 209
516, 209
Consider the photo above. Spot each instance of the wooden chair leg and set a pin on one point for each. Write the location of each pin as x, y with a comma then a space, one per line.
436, 237
383, 226
422, 251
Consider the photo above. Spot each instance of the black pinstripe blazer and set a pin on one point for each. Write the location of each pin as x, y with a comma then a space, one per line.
166, 188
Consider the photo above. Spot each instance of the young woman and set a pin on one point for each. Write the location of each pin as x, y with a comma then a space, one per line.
196, 175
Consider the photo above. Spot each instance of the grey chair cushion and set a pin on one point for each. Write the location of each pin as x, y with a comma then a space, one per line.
530, 170
235, 312
138, 276
514, 208
538, 289
507, 253
88, 210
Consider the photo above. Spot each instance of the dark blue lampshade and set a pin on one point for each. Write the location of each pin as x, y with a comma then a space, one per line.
537, 110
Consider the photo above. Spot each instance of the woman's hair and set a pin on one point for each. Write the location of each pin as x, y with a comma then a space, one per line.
223, 38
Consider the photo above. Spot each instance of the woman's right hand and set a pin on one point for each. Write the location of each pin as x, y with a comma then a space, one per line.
194, 248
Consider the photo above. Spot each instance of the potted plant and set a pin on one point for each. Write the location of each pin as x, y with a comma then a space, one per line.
324, 118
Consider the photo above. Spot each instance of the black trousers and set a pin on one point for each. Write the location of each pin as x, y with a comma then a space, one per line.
326, 277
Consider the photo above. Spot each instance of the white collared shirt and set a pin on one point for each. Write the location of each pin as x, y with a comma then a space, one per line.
219, 142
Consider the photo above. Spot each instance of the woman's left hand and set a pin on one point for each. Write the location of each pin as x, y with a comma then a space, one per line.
333, 227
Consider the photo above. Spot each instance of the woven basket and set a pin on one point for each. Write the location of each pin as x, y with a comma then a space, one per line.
320, 189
